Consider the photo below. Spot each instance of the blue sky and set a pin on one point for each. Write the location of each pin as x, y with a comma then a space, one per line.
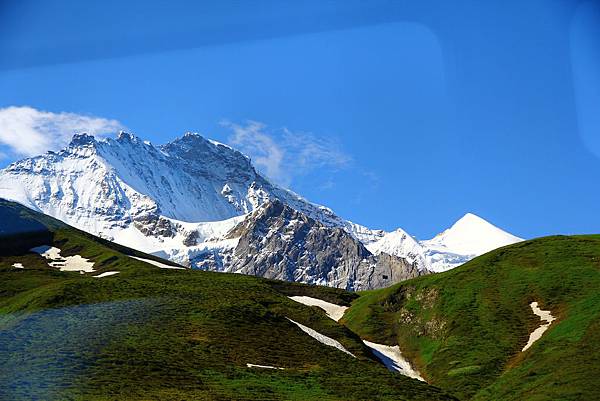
413, 114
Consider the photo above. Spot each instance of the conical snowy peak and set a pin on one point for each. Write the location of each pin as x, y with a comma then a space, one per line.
467, 227
470, 219
470, 236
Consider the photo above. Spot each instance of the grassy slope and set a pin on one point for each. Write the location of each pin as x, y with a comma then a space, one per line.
156, 334
465, 328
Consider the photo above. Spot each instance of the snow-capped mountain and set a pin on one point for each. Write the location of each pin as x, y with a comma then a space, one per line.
469, 237
97, 185
183, 201
189, 199
398, 243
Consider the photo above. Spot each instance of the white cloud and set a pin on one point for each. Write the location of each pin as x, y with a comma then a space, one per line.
283, 154
27, 131
262, 148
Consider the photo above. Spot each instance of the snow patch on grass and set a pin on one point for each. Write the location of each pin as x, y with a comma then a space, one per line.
18, 265
334, 311
68, 263
323, 339
545, 316
390, 356
159, 264
106, 274
251, 365
393, 360
49, 252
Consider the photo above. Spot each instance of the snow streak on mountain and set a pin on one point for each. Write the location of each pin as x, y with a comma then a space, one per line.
202, 203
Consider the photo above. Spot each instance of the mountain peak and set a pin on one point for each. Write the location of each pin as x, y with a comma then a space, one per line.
127, 137
189, 137
470, 219
190, 134
472, 235
189, 141
82, 139
196, 139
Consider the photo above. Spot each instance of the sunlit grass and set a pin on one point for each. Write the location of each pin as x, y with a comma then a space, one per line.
465, 328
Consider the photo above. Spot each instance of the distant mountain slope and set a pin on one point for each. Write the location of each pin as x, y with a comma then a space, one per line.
180, 200
465, 329
150, 333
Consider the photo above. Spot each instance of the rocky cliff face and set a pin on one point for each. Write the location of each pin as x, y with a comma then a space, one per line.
279, 242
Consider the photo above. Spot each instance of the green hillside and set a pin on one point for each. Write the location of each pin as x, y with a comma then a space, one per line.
465, 328
161, 334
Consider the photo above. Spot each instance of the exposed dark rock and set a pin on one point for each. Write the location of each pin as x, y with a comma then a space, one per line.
279, 242
153, 225
191, 238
